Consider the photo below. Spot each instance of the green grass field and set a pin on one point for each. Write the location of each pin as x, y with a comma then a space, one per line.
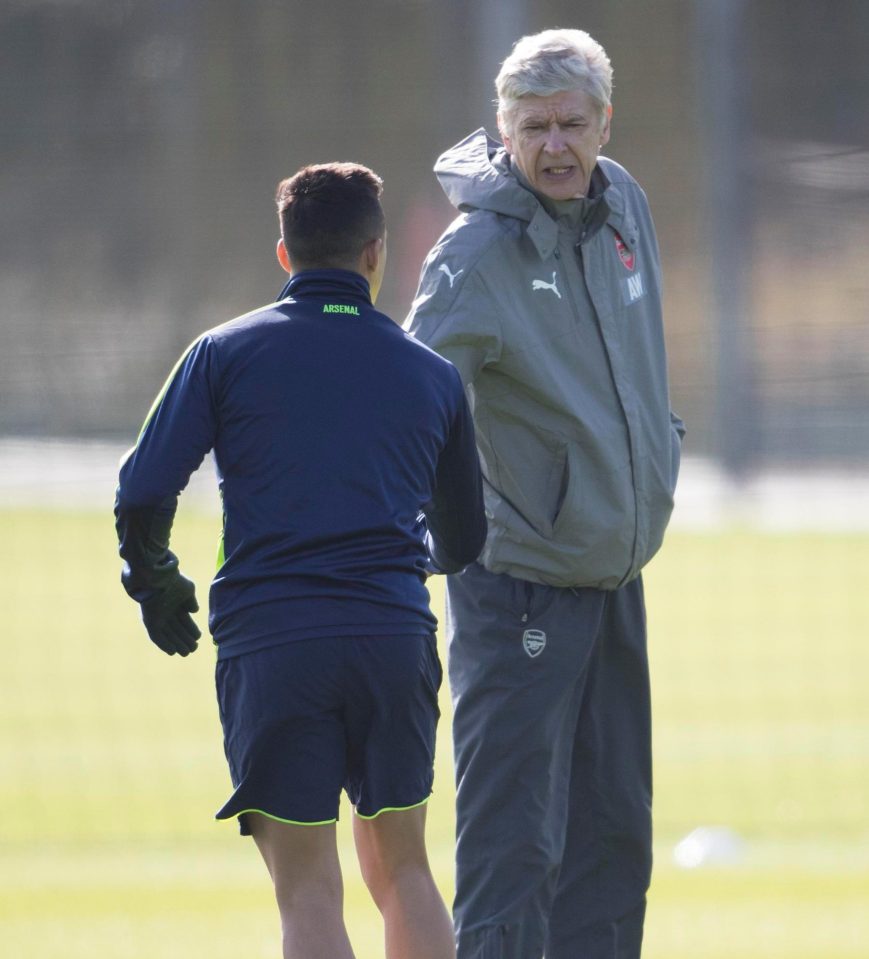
111, 764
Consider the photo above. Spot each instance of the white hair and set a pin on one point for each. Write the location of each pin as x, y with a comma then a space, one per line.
553, 61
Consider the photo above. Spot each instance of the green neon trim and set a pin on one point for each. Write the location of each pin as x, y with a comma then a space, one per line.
289, 822
221, 552
393, 809
341, 308
165, 388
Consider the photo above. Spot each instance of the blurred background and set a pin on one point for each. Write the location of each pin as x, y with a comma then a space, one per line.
142, 143
140, 148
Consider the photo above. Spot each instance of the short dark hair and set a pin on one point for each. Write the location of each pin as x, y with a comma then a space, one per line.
328, 212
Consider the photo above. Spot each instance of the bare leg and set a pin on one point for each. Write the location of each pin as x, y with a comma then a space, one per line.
394, 863
303, 864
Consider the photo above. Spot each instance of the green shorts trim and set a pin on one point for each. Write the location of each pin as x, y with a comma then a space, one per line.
393, 809
289, 822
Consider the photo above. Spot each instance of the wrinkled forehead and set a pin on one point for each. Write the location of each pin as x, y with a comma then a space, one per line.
556, 107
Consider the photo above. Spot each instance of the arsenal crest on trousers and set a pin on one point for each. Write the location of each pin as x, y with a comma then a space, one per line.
533, 642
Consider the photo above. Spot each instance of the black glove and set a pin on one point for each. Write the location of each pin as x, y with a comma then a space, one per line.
152, 579
166, 615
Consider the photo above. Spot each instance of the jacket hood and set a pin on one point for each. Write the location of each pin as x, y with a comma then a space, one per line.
475, 175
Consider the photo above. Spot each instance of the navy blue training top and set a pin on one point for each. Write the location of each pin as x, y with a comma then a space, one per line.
346, 463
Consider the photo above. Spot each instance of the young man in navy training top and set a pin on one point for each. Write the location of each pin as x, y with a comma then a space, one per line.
348, 472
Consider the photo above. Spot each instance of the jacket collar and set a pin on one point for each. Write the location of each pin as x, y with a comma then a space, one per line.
328, 283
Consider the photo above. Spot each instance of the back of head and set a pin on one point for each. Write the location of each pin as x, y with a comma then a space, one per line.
551, 62
328, 212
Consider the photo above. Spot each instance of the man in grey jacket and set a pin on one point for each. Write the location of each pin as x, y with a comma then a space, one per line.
545, 292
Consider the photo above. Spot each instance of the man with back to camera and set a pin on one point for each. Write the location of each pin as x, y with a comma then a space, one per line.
546, 294
333, 431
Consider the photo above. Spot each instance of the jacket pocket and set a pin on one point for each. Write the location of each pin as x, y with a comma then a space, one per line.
562, 474
597, 511
531, 473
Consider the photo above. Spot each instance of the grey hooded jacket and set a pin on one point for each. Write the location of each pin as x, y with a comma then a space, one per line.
554, 322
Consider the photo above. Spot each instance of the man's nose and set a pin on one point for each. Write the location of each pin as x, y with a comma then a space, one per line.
554, 139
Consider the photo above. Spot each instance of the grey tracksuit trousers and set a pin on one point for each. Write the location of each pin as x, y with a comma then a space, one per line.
552, 737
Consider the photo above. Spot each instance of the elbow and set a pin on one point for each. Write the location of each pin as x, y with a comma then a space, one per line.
463, 552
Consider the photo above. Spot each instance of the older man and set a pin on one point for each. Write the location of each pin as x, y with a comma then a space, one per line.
546, 294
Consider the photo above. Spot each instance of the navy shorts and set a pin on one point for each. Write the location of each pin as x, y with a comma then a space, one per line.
306, 718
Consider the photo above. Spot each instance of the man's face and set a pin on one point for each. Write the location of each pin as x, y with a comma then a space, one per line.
555, 140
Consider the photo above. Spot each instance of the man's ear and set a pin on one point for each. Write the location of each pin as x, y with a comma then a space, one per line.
605, 131
502, 131
371, 254
284, 257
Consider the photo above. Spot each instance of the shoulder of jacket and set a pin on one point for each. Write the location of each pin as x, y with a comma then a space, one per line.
621, 181
240, 325
615, 172
438, 366
468, 242
455, 272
